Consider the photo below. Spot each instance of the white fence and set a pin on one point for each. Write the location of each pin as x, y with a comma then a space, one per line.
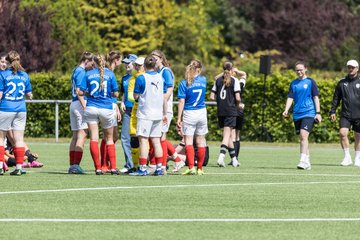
57, 102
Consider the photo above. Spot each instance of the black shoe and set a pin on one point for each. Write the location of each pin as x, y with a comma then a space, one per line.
2, 171
132, 170
16, 172
230, 163
115, 172
99, 172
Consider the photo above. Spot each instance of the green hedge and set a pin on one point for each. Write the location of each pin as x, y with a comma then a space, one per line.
41, 117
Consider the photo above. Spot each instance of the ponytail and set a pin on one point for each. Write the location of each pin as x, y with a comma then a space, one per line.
14, 59
227, 73
100, 61
191, 71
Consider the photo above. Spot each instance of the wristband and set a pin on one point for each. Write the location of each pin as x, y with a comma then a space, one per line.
317, 112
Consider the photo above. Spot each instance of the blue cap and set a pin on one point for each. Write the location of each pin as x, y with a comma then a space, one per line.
129, 58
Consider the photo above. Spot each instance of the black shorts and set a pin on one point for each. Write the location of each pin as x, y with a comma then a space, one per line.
239, 121
304, 123
227, 121
346, 123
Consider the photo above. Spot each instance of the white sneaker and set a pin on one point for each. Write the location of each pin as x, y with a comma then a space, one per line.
304, 165
124, 170
346, 162
221, 162
178, 166
235, 163
151, 169
357, 162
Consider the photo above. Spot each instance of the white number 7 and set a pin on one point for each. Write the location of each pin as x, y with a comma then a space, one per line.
199, 91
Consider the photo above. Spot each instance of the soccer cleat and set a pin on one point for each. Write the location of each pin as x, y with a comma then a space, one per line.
16, 172
230, 163
115, 171
105, 169
151, 169
189, 171
346, 162
200, 172
2, 171
220, 162
124, 171
36, 164
23, 171
99, 172
178, 166
235, 163
76, 169
304, 165
158, 172
357, 162
26, 165
139, 173
6, 168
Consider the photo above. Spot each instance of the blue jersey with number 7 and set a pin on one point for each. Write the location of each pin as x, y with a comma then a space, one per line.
14, 87
193, 94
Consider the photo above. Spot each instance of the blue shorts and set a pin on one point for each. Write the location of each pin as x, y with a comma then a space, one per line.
306, 124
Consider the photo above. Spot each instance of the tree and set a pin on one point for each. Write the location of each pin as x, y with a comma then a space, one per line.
28, 32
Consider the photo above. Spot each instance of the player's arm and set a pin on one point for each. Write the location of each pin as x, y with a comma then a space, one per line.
288, 104
80, 97
335, 102
180, 112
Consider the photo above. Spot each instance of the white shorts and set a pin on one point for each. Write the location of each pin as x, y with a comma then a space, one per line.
77, 116
104, 116
12, 121
165, 128
195, 122
115, 114
148, 128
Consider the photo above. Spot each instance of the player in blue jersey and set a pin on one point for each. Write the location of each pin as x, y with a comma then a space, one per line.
113, 60
14, 85
77, 106
192, 115
163, 67
126, 108
304, 94
101, 85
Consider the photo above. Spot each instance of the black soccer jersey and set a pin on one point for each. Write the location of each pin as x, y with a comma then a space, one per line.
225, 97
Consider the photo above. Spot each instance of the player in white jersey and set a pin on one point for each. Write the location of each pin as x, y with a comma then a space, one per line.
14, 85
192, 115
151, 114
77, 106
102, 86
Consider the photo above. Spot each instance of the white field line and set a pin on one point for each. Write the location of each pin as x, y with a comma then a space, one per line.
182, 220
287, 174
177, 186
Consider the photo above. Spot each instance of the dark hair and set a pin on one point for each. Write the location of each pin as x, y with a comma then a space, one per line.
191, 71
112, 56
150, 62
227, 66
86, 56
13, 58
301, 63
161, 55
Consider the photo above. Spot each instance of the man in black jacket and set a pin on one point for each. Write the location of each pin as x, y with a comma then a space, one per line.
348, 92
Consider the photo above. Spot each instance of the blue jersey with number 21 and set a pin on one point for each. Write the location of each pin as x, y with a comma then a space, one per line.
194, 94
14, 87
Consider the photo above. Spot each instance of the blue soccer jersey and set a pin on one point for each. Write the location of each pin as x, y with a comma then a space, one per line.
91, 83
303, 92
14, 87
168, 77
77, 76
194, 94
124, 89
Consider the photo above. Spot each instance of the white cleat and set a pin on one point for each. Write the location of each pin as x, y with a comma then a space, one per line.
235, 163
220, 162
346, 162
357, 162
304, 165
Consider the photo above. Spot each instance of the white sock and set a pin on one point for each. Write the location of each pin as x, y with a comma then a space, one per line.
159, 165
1, 164
357, 154
347, 152
18, 166
303, 157
222, 156
142, 167
308, 158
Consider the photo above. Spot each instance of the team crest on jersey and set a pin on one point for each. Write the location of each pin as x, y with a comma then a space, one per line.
357, 85
305, 86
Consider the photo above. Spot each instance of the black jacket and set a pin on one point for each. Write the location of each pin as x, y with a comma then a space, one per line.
348, 92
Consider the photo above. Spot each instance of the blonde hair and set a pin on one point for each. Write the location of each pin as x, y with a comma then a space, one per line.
161, 55
191, 71
100, 61
13, 58
227, 66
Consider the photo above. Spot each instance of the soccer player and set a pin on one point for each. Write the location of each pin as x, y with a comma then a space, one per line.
347, 91
113, 60
102, 86
151, 114
192, 115
77, 106
126, 108
14, 84
304, 93
226, 91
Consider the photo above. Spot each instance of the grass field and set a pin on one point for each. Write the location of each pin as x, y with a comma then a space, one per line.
266, 198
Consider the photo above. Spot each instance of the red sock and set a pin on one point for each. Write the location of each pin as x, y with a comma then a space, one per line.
19, 153
2, 153
103, 153
164, 150
94, 150
151, 153
201, 156
142, 161
189, 149
171, 150
77, 157
110, 148
159, 160
71, 157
